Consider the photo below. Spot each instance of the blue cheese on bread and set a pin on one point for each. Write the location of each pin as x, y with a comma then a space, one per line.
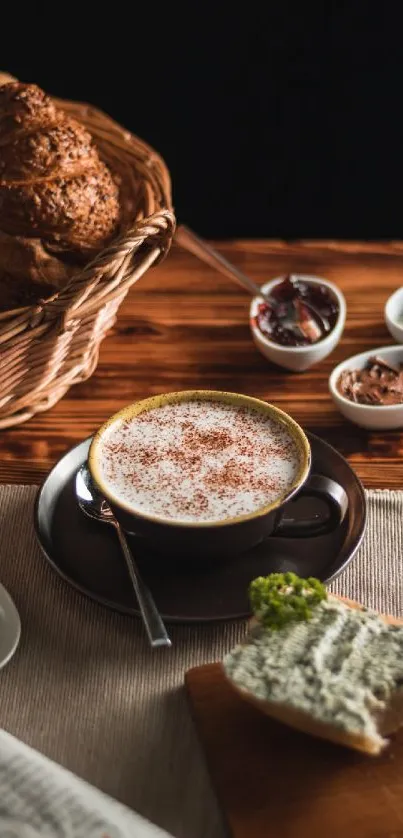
339, 667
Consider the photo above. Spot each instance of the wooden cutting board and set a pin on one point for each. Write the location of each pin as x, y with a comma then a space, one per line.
273, 782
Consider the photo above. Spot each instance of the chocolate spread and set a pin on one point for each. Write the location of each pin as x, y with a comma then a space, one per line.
378, 383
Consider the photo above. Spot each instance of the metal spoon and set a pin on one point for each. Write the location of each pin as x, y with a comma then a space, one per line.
187, 239
95, 506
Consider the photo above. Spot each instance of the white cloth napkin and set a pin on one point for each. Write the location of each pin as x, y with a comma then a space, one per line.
39, 798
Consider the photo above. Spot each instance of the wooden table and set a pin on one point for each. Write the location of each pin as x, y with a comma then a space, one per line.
185, 326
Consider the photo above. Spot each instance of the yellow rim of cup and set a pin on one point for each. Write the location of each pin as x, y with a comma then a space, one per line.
236, 399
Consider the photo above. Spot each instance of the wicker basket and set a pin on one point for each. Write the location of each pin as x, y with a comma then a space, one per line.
46, 348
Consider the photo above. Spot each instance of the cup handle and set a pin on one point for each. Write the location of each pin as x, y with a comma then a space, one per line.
317, 486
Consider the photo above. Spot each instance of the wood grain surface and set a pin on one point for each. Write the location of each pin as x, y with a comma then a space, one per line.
273, 782
184, 325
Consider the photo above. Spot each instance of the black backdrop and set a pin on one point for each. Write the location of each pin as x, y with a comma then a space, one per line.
279, 123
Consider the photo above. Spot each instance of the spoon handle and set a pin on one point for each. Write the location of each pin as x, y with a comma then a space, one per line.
187, 239
157, 633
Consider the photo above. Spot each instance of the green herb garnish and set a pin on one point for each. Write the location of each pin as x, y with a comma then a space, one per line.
283, 598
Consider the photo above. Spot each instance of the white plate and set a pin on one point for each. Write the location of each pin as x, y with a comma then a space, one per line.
393, 315
10, 627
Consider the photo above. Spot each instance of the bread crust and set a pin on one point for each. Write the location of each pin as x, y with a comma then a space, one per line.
53, 183
306, 724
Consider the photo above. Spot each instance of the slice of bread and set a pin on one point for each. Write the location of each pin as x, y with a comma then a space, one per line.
386, 722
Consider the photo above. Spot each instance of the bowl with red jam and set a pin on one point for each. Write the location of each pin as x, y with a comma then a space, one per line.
299, 321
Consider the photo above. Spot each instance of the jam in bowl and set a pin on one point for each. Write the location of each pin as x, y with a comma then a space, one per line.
299, 321
299, 313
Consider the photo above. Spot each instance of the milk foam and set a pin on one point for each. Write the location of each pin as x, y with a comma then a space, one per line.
198, 461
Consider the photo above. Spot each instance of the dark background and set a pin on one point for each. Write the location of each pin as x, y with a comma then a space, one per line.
283, 123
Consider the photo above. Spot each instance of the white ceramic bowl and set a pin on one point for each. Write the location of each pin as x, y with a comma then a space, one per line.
298, 358
394, 313
374, 417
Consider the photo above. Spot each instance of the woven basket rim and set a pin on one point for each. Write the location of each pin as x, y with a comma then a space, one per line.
32, 310
48, 346
118, 127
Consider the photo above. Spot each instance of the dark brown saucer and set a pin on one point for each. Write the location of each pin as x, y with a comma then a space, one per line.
86, 553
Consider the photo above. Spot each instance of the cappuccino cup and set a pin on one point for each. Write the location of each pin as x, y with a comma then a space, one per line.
208, 473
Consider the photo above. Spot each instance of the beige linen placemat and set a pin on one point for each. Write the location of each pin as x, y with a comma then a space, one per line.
85, 689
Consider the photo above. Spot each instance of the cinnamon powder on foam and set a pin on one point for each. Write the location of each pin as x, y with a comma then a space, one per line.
199, 461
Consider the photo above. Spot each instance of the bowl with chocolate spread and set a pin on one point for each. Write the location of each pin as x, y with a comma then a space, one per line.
299, 321
368, 388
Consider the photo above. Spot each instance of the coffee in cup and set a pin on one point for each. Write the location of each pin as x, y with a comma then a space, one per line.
199, 461
200, 470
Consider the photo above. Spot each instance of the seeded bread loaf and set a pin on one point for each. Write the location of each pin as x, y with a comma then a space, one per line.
59, 203
53, 184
